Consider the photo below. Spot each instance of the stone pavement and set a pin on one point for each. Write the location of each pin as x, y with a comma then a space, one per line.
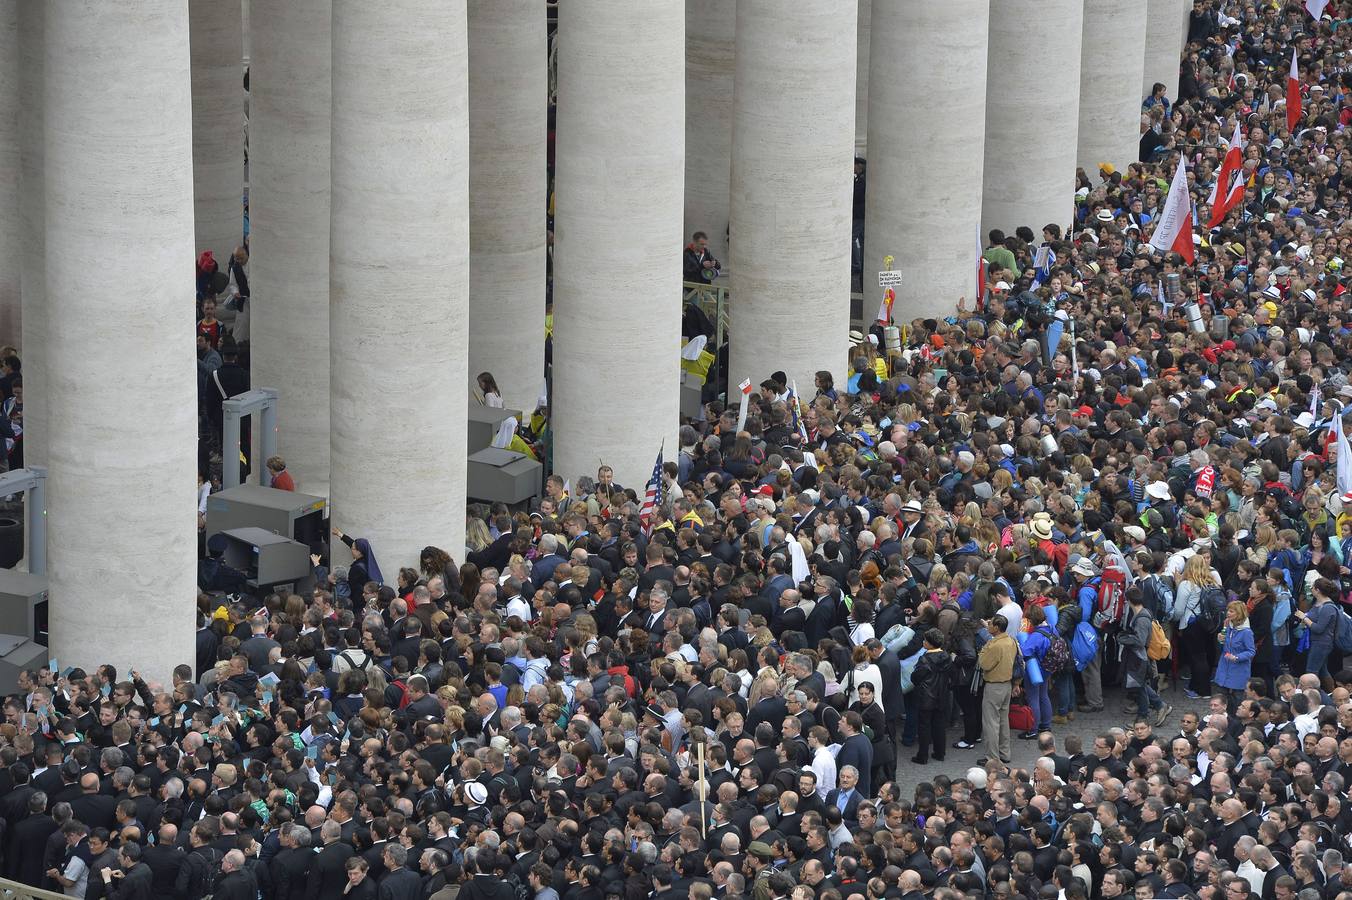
1024, 753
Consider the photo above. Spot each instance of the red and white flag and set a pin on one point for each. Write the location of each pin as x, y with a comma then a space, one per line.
1173, 233
1293, 96
980, 273
1223, 195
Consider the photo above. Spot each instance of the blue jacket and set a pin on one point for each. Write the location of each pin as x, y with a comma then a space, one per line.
1037, 643
1234, 673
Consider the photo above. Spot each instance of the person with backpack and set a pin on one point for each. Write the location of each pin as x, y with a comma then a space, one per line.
1137, 665
1063, 684
1085, 582
1322, 621
931, 683
1036, 645
1198, 613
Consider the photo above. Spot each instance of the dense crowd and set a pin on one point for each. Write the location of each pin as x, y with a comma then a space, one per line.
1108, 470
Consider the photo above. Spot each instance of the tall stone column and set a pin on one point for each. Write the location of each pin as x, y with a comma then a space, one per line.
508, 102
861, 77
400, 274
290, 96
11, 216
619, 200
709, 29
33, 237
118, 155
1032, 113
1111, 59
1164, 36
924, 208
217, 125
792, 174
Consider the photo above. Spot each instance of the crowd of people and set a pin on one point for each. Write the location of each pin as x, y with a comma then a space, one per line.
1108, 472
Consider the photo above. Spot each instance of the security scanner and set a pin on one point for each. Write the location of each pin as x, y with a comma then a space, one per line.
484, 422
497, 475
23, 595
299, 517
261, 402
268, 559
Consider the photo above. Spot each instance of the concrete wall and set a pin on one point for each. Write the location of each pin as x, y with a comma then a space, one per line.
710, 28
1112, 60
217, 125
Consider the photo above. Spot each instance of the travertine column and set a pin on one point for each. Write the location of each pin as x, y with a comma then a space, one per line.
924, 207
400, 274
862, 46
11, 209
792, 171
33, 238
619, 201
118, 155
1111, 61
1032, 113
508, 103
1164, 37
289, 86
709, 29
217, 125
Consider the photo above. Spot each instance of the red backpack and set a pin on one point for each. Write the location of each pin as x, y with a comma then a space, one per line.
1111, 606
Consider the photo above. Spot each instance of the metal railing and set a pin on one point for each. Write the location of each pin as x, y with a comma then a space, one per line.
12, 890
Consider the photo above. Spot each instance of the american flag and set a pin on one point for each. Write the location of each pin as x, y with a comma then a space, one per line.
652, 495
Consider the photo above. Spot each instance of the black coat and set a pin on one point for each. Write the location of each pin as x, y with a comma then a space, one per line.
328, 874
137, 884
889, 666
237, 885
931, 679
27, 845
401, 884
289, 871
164, 863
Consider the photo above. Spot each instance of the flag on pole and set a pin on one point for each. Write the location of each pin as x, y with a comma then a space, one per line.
1315, 399
652, 495
1316, 8
1344, 457
1223, 195
1293, 96
796, 408
980, 273
1174, 231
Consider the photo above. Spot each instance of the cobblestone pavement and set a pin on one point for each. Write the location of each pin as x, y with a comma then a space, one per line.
1024, 753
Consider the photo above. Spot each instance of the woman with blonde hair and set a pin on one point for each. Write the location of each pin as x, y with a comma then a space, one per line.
1197, 593
1237, 652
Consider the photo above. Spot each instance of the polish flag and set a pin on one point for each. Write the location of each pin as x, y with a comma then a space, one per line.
1173, 233
980, 273
1293, 96
1222, 196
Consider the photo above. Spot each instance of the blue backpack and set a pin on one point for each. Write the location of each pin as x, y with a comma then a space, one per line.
1084, 645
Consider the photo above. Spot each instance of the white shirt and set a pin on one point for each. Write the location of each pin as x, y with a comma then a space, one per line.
78, 872
517, 606
824, 767
1014, 616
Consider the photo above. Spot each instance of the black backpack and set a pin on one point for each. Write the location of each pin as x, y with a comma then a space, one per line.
1211, 608
211, 869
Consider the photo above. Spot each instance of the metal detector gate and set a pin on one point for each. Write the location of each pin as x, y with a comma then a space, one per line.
260, 400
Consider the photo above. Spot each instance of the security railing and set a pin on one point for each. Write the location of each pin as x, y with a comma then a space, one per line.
12, 890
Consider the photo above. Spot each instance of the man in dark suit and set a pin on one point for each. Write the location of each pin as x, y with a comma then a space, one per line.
132, 881
328, 873
399, 883
893, 702
856, 750
290, 868
92, 808
164, 860
28, 842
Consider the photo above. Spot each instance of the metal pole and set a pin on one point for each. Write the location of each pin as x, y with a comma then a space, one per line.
36, 504
268, 441
229, 444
